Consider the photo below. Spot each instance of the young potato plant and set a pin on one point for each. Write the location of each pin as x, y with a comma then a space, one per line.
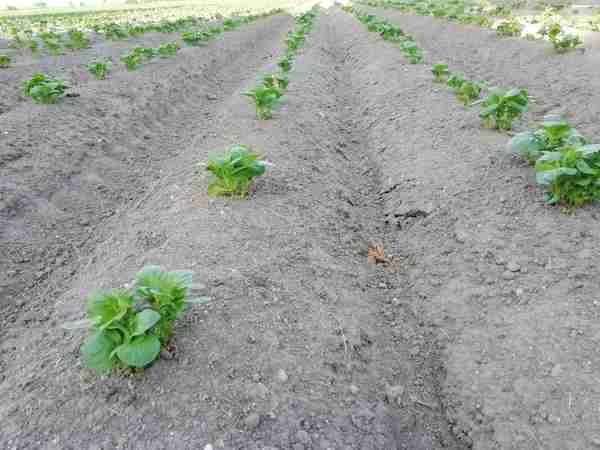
571, 175
131, 60
440, 72
503, 107
285, 63
411, 51
279, 82
129, 326
265, 98
468, 92
196, 37
234, 171
564, 42
554, 134
99, 69
77, 40
52, 42
510, 27
144, 53
455, 81
168, 50
4, 61
43, 89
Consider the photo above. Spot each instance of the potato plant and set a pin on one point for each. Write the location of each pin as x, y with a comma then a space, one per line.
99, 69
168, 50
571, 175
502, 107
468, 92
440, 72
52, 42
131, 61
234, 171
510, 27
265, 98
196, 37
553, 134
77, 40
285, 63
128, 327
4, 61
43, 89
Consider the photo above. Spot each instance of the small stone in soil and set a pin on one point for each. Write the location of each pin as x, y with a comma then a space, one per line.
252, 421
281, 376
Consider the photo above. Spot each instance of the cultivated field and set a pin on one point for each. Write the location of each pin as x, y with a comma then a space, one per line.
395, 245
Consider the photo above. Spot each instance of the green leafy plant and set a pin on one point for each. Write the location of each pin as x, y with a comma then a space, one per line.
52, 42
411, 51
168, 50
570, 175
196, 37
440, 72
131, 61
511, 27
554, 134
285, 64
234, 171
455, 81
43, 89
4, 61
129, 326
99, 69
77, 40
564, 42
503, 107
264, 98
145, 53
230, 24
468, 92
279, 82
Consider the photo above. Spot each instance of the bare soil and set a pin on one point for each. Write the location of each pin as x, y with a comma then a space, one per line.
480, 332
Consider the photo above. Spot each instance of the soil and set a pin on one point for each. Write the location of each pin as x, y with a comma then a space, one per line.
477, 331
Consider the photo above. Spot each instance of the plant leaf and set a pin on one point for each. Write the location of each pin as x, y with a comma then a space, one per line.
140, 352
96, 351
144, 320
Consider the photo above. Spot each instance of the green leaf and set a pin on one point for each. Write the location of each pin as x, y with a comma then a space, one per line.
584, 167
140, 352
97, 349
588, 150
145, 320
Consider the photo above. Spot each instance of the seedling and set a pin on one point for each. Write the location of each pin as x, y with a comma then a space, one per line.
131, 61
264, 98
468, 92
554, 134
168, 50
129, 327
285, 64
440, 72
77, 40
230, 24
503, 107
564, 42
196, 37
43, 89
455, 81
411, 51
510, 27
4, 61
279, 82
145, 53
51, 42
571, 175
234, 171
99, 69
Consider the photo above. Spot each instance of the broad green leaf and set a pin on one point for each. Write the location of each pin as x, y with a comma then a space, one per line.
140, 352
97, 349
144, 320
584, 167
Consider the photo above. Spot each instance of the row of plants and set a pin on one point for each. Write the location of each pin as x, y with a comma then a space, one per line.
549, 25
391, 33
567, 165
130, 327
44, 89
55, 43
273, 86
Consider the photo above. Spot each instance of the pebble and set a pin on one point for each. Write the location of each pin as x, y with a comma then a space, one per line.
252, 421
258, 391
354, 389
303, 437
507, 275
281, 376
208, 447
393, 394
513, 266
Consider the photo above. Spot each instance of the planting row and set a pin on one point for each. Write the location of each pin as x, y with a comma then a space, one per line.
548, 25
45, 89
53, 42
391, 33
567, 165
129, 328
